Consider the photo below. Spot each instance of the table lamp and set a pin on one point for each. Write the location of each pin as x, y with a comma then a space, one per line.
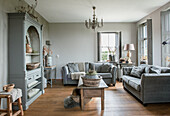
129, 47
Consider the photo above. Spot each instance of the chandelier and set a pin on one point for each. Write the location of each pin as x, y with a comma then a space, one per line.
94, 22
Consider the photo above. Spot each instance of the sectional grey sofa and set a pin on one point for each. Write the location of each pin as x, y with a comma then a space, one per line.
108, 76
151, 87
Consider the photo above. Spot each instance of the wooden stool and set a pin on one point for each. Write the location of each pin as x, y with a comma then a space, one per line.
8, 111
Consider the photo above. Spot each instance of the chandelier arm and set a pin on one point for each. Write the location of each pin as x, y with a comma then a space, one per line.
101, 24
87, 24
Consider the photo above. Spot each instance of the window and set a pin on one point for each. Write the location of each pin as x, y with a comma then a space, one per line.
108, 44
165, 21
143, 43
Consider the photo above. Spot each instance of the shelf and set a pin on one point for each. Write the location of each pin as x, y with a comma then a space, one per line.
32, 54
33, 86
30, 100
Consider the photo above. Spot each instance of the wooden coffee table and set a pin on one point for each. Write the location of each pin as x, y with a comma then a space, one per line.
87, 92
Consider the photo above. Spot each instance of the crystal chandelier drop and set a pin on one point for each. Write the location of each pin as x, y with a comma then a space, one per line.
94, 22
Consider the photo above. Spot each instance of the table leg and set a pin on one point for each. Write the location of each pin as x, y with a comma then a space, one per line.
0, 103
9, 107
82, 99
51, 82
102, 99
50, 76
56, 75
20, 106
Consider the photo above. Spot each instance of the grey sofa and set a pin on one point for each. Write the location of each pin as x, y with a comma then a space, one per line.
151, 87
109, 77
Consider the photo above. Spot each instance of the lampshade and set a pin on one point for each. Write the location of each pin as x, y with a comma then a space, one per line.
129, 47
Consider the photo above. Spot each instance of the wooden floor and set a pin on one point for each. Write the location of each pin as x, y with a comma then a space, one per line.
118, 102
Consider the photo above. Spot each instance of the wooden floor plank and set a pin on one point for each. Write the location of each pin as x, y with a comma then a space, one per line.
118, 102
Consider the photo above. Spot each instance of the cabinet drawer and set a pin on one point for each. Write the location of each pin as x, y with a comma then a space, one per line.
92, 93
30, 78
37, 75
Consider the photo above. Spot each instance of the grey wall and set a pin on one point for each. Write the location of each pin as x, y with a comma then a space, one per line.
7, 6
74, 43
156, 30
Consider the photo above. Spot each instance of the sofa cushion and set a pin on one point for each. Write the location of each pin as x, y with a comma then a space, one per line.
165, 70
154, 69
127, 70
105, 68
105, 75
135, 83
81, 66
73, 67
137, 71
126, 78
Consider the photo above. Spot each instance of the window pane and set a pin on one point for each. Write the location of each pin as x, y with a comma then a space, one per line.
104, 40
145, 49
145, 31
111, 40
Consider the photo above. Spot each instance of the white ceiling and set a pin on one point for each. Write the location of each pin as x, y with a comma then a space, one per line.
57, 11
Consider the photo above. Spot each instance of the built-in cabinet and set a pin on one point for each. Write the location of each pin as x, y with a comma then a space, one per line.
22, 29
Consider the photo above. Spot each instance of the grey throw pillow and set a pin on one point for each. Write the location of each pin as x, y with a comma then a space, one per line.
137, 71
91, 66
105, 68
73, 67
154, 69
97, 66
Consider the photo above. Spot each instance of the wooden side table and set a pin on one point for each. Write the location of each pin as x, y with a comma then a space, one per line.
50, 68
88, 92
8, 111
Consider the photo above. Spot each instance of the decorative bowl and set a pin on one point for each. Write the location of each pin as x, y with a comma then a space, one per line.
91, 82
31, 66
8, 87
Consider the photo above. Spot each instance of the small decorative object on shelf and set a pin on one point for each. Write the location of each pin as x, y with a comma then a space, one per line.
48, 57
28, 46
8, 87
91, 79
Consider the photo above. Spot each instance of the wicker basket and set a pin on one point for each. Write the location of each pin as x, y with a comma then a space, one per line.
91, 82
31, 66
8, 87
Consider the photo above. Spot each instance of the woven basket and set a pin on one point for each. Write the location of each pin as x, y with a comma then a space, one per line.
91, 82
31, 66
8, 87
